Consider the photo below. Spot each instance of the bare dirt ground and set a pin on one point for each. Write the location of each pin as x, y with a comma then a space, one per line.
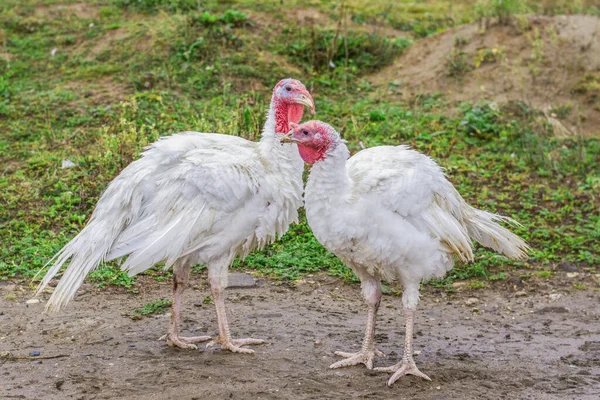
500, 343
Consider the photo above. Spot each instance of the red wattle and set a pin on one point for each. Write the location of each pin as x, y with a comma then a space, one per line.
286, 113
311, 155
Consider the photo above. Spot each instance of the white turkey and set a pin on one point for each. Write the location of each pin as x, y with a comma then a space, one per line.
194, 198
390, 213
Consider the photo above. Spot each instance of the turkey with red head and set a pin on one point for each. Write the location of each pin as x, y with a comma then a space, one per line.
194, 198
389, 213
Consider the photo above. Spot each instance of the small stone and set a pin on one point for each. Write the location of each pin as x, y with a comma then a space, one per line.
567, 266
522, 293
131, 346
240, 281
53, 52
471, 301
318, 342
572, 274
34, 353
416, 352
553, 309
32, 301
516, 282
554, 296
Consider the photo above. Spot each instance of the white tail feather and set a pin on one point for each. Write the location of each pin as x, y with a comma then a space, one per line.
85, 251
484, 228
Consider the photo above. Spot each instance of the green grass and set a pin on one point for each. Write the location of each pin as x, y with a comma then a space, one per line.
155, 307
126, 72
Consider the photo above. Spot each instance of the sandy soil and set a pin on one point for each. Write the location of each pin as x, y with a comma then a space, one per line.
492, 344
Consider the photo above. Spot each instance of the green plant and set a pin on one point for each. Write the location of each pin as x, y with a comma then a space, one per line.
154, 5
485, 56
481, 120
155, 307
324, 49
456, 64
504, 10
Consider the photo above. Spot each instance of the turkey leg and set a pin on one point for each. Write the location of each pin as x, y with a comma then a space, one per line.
224, 338
407, 365
372, 292
181, 277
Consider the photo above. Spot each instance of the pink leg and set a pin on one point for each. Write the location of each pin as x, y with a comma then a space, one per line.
366, 356
407, 365
224, 338
181, 276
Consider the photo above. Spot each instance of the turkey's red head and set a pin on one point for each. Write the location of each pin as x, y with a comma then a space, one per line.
314, 138
290, 96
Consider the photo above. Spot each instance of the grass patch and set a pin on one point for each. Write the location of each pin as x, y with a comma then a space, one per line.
155, 307
210, 67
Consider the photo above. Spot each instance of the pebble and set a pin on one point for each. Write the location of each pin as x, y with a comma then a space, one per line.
567, 266
472, 301
240, 281
522, 293
34, 353
32, 301
554, 296
572, 274
318, 342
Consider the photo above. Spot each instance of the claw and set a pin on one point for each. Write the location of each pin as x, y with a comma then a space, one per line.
234, 345
401, 369
362, 357
183, 342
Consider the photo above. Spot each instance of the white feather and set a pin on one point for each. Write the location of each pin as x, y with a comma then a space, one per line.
390, 212
207, 197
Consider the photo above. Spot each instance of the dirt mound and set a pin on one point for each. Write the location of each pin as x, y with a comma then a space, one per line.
550, 63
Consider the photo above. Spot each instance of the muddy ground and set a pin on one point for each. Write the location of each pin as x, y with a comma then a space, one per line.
490, 344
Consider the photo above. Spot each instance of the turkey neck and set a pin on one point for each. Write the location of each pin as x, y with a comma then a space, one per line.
277, 124
328, 184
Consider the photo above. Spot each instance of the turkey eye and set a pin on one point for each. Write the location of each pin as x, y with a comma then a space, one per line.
305, 131
288, 88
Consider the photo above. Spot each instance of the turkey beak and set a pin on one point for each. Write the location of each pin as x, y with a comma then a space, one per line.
288, 138
306, 100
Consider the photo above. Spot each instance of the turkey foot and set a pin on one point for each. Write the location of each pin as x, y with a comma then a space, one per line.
181, 342
403, 368
362, 357
234, 345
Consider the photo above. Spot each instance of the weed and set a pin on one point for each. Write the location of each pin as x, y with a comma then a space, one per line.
456, 64
488, 56
152, 6
537, 52
325, 49
589, 86
504, 10
155, 307
544, 274
477, 285
481, 120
